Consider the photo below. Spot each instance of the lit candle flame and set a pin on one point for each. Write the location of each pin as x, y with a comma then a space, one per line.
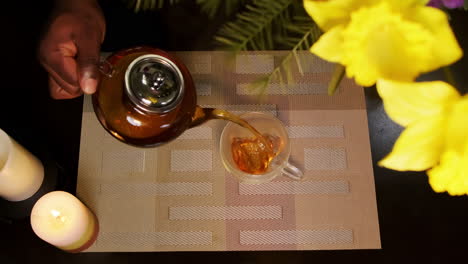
57, 215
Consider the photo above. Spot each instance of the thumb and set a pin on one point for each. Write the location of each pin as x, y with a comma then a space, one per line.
87, 62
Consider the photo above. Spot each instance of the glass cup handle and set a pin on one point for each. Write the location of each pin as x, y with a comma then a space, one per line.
292, 172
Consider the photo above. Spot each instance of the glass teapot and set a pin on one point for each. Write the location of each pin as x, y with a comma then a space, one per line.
146, 97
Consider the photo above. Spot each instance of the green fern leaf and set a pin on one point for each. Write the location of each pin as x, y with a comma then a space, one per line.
268, 25
213, 7
148, 5
257, 24
282, 74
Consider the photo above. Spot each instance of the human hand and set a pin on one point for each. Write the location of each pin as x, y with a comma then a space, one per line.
69, 50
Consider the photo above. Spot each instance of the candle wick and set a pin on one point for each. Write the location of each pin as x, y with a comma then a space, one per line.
57, 215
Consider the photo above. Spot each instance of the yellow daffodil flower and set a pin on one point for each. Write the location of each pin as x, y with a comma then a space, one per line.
330, 13
383, 39
436, 121
451, 174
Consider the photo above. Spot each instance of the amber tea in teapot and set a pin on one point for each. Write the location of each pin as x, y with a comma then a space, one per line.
147, 97
143, 99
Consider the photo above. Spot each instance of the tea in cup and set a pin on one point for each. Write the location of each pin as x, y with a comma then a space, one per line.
254, 159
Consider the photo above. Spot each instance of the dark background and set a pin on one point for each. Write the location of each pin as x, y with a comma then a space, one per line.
416, 224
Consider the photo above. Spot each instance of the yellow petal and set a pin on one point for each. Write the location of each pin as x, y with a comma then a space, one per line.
329, 46
405, 4
407, 102
418, 148
445, 49
451, 175
328, 14
380, 44
457, 126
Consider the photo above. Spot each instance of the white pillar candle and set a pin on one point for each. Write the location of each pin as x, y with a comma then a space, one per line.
62, 220
21, 173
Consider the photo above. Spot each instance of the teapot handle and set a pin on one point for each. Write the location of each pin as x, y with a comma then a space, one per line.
106, 68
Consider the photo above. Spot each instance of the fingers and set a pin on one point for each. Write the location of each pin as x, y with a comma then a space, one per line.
72, 66
57, 92
88, 61
70, 53
58, 60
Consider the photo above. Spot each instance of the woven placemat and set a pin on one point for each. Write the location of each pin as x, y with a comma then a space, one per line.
179, 197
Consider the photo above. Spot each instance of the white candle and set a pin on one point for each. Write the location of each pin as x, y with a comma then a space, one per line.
21, 173
62, 220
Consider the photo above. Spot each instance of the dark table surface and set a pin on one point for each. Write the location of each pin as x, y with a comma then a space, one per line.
416, 224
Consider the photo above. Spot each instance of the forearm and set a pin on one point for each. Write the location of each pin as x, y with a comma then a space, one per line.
89, 10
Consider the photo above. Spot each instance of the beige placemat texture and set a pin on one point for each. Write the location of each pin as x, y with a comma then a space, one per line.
179, 197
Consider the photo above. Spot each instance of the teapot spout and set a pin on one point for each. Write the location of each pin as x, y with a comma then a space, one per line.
202, 115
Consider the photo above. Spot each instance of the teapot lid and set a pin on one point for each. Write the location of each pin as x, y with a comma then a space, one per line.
154, 83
